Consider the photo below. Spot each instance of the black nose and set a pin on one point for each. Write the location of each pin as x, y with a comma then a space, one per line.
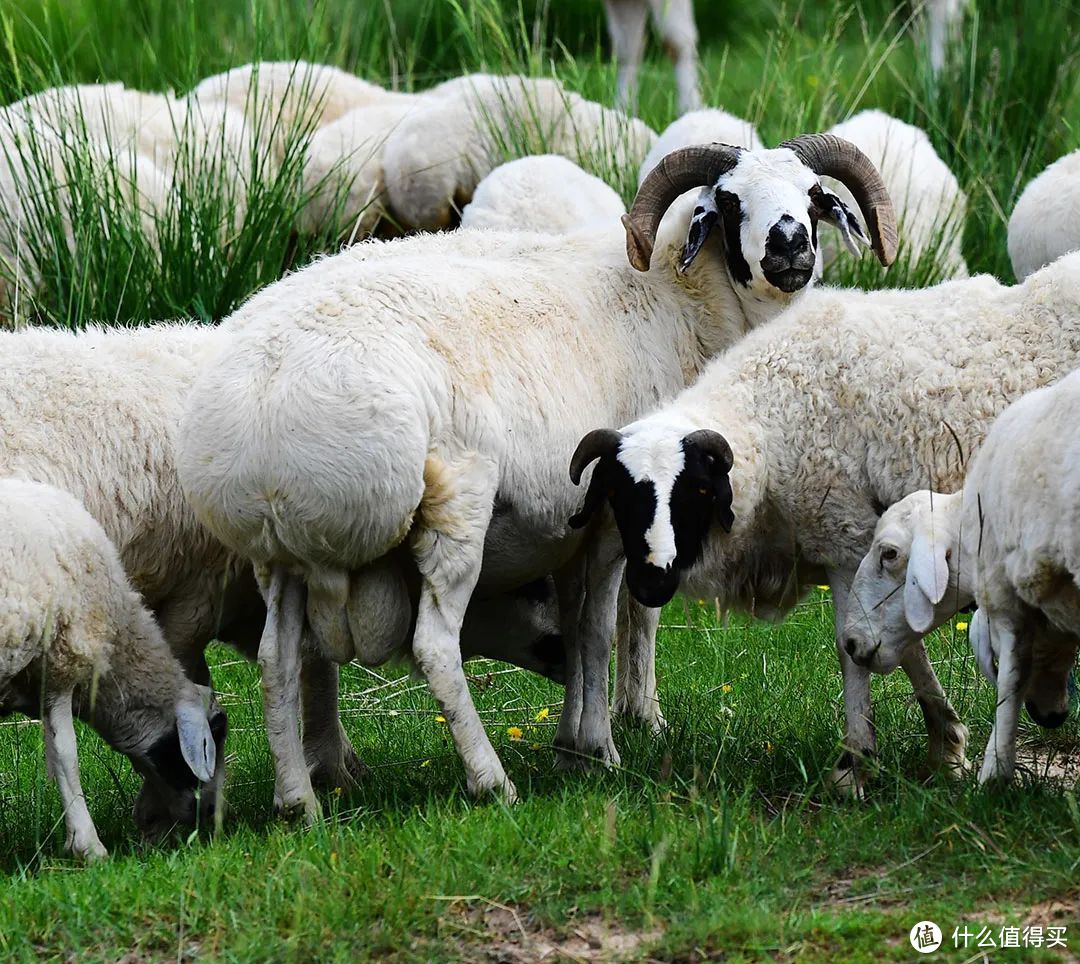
1050, 720
849, 645
786, 239
650, 585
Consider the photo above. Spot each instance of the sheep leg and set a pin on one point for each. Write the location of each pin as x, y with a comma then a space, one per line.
604, 573
329, 754
947, 737
860, 741
626, 27
448, 545
279, 659
62, 760
635, 665
674, 21
999, 762
570, 590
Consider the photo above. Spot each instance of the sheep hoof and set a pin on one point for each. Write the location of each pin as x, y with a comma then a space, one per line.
650, 716
298, 808
88, 848
848, 780
344, 771
995, 774
567, 756
493, 785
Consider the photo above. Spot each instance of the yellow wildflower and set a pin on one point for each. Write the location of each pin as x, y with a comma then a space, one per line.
768, 747
514, 732
961, 626
426, 763
823, 588
726, 688
542, 715
440, 718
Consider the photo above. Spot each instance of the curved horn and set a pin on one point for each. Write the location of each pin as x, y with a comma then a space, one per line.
714, 444
599, 442
833, 156
678, 172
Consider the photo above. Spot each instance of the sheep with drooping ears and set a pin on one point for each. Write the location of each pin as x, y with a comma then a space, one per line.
817, 422
1006, 540
460, 367
76, 641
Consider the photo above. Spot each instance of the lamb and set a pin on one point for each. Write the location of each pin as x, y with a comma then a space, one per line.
460, 366
707, 126
978, 544
930, 207
96, 414
434, 159
1045, 223
545, 193
799, 436
674, 20
75, 640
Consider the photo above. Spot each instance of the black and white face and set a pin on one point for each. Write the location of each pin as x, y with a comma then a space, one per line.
769, 206
666, 487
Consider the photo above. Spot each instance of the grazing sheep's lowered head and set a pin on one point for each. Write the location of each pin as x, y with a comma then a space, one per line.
909, 582
768, 204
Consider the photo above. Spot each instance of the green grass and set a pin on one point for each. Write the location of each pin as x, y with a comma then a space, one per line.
717, 836
717, 839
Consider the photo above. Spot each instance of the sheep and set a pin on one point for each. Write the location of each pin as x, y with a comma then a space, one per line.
674, 20
1045, 223
942, 23
945, 551
798, 437
434, 159
707, 126
75, 640
459, 366
930, 206
545, 193
96, 413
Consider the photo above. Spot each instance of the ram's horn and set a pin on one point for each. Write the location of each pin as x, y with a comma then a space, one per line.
678, 172
835, 157
714, 444
598, 443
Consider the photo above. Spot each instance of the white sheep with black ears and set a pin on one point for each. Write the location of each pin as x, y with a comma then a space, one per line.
1005, 541
833, 411
75, 640
482, 356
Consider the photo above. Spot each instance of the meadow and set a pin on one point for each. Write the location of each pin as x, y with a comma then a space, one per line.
718, 839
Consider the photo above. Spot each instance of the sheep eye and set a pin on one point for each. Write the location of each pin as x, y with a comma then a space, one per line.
888, 553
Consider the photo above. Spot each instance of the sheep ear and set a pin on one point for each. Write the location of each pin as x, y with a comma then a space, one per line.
706, 214
927, 580
196, 740
830, 209
982, 646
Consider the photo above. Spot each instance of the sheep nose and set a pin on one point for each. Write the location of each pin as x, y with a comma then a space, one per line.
849, 645
787, 238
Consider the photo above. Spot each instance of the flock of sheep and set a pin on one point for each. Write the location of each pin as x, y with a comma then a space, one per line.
379, 455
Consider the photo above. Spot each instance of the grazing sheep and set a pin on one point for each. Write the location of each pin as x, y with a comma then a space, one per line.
75, 640
434, 159
930, 207
1045, 223
942, 24
1005, 540
460, 367
674, 20
707, 126
545, 193
798, 437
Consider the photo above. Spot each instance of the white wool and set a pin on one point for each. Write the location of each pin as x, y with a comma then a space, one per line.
1045, 223
709, 125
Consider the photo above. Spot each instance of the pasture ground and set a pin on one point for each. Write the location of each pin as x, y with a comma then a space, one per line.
717, 839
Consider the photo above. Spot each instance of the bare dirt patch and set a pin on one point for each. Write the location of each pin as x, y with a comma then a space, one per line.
487, 931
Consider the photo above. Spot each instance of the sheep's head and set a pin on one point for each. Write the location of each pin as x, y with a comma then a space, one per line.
907, 583
769, 203
666, 486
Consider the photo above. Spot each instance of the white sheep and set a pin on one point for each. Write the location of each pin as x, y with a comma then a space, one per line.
707, 126
1006, 541
460, 367
674, 20
930, 206
434, 159
96, 413
545, 193
1045, 223
833, 411
75, 640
